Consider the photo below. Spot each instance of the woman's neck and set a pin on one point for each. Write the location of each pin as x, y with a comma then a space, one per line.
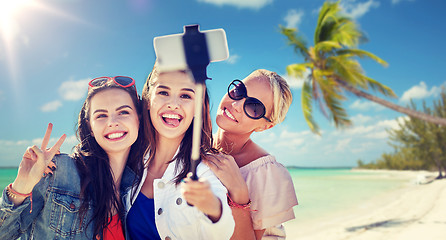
117, 165
233, 144
165, 151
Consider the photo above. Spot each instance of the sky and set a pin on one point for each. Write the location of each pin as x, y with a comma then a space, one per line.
50, 49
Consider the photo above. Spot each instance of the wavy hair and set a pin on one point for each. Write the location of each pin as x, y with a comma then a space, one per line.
97, 184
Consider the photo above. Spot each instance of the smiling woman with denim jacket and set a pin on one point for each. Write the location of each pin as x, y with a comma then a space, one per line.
82, 199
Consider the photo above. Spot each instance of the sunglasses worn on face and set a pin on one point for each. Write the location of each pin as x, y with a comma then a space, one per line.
121, 81
253, 107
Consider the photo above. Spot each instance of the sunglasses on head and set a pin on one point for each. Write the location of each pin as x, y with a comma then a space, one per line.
253, 107
121, 81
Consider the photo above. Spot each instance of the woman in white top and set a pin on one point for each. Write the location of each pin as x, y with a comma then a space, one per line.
255, 104
160, 209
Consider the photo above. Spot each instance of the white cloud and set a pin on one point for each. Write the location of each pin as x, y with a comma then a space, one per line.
358, 9
233, 59
253, 4
69, 142
73, 90
295, 83
12, 150
51, 106
342, 145
335, 147
293, 18
366, 105
360, 119
419, 92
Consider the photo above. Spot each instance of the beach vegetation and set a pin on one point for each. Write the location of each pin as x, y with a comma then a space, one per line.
331, 68
417, 144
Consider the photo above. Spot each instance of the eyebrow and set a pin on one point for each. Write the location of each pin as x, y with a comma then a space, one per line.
183, 89
117, 109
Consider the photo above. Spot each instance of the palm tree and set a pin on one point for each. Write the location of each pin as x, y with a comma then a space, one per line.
331, 67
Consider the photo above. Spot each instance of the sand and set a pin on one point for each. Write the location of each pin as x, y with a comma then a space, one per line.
414, 211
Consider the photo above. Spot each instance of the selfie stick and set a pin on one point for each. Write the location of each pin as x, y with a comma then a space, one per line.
197, 59
200, 48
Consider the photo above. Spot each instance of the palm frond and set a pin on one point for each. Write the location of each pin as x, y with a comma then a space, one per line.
307, 107
362, 54
326, 46
295, 40
346, 32
338, 113
332, 25
327, 83
349, 70
375, 85
328, 11
298, 70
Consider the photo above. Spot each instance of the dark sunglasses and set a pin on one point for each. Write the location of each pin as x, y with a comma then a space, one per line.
121, 81
253, 107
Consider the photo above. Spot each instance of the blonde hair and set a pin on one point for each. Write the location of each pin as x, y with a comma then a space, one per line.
282, 96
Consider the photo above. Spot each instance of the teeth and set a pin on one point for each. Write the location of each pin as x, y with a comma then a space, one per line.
115, 135
174, 116
230, 115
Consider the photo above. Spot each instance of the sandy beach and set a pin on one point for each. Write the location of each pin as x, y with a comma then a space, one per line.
415, 211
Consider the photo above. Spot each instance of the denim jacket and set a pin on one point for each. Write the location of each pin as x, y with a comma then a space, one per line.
55, 207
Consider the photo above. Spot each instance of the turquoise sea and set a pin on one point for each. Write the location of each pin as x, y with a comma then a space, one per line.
7, 176
319, 191
324, 191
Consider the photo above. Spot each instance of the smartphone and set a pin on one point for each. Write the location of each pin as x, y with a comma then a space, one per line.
170, 53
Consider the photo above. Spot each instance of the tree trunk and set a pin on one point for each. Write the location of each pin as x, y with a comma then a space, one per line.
398, 108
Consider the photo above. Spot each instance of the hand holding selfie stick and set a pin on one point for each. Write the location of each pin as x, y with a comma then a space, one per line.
192, 50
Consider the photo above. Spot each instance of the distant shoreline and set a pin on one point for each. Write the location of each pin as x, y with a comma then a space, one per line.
339, 167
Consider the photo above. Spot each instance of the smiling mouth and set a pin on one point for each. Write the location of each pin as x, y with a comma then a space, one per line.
114, 136
229, 115
172, 119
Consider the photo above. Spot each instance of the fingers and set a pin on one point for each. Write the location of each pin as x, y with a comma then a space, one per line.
213, 162
47, 171
220, 162
55, 149
30, 154
47, 136
35, 152
195, 190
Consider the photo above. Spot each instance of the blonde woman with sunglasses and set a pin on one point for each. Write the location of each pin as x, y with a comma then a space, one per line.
83, 197
261, 192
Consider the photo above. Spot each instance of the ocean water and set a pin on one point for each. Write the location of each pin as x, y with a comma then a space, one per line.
324, 191
319, 191
7, 176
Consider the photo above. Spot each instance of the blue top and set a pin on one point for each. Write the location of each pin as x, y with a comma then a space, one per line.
142, 217
56, 203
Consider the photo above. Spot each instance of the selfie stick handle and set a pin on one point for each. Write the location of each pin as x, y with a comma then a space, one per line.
197, 58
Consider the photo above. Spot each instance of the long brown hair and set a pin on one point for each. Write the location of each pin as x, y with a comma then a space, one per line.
183, 158
97, 184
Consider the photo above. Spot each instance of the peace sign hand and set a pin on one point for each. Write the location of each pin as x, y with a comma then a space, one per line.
34, 163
